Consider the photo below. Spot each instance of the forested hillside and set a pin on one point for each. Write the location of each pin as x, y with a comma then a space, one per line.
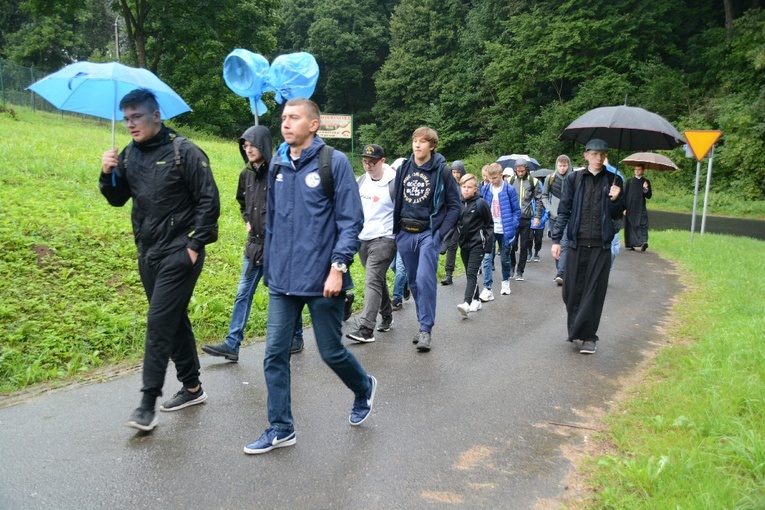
491, 76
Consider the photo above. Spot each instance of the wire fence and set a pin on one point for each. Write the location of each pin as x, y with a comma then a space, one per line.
14, 79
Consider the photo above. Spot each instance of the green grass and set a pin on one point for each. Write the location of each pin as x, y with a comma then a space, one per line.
71, 301
693, 435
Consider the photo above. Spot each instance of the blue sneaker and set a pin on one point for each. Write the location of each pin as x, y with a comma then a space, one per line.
362, 406
271, 439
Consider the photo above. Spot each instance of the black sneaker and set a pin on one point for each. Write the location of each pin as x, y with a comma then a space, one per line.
143, 419
447, 280
644, 247
222, 349
396, 304
363, 335
348, 310
407, 292
183, 399
297, 345
385, 323
588, 347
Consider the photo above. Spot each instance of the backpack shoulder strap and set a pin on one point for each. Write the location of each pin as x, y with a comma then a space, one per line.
392, 190
325, 171
177, 140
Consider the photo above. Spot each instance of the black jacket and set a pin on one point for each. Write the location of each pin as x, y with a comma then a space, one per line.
252, 192
172, 209
570, 208
475, 223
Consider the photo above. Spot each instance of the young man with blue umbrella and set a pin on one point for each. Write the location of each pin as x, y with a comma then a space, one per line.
175, 215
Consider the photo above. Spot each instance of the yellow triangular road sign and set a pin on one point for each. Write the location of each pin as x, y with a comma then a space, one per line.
701, 141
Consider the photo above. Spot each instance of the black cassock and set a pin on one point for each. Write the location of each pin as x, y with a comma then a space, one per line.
636, 220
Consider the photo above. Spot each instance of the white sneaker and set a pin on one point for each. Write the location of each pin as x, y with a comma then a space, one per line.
486, 295
505, 287
463, 308
475, 305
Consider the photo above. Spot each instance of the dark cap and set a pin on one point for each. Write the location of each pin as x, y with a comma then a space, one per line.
373, 151
596, 144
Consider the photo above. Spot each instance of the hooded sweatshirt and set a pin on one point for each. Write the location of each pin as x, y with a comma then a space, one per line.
251, 193
460, 167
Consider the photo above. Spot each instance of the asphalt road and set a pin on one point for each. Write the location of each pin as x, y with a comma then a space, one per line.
468, 425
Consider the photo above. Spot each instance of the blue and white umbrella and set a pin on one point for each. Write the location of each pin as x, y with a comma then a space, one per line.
97, 89
511, 160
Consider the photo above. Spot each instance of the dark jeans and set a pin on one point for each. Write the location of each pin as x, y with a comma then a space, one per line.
169, 285
471, 259
327, 317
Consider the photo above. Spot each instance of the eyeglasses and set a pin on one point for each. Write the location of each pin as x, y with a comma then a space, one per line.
369, 162
133, 119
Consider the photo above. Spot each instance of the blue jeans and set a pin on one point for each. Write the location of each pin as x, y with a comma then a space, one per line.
327, 317
504, 257
615, 247
561, 262
243, 304
420, 255
400, 282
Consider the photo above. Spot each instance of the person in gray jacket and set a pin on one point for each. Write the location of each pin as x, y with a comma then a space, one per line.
551, 193
528, 189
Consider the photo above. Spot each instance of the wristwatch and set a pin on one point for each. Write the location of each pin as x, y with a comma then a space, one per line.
340, 267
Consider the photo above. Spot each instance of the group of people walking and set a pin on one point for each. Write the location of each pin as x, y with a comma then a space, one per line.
306, 217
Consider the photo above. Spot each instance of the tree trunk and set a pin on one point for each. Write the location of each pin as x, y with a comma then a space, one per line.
728, 4
135, 27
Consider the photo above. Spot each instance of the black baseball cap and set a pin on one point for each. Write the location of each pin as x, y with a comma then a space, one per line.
373, 151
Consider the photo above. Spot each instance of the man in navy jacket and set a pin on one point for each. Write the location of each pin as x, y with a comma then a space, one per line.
311, 239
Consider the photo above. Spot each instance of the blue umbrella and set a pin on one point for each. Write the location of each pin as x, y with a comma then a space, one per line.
511, 160
97, 89
245, 74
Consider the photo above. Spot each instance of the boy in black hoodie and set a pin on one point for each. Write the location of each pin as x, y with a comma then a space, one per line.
251, 193
475, 228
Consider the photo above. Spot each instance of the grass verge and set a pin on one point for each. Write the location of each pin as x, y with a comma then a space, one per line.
693, 434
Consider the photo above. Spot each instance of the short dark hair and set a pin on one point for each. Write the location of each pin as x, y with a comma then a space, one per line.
140, 97
311, 108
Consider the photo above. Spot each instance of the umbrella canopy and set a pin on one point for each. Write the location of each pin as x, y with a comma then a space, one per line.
541, 173
625, 128
511, 160
651, 161
97, 89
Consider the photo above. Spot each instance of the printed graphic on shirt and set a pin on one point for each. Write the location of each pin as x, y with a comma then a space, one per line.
312, 180
416, 187
495, 211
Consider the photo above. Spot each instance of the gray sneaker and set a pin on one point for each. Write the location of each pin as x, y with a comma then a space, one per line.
143, 419
184, 399
423, 341
588, 347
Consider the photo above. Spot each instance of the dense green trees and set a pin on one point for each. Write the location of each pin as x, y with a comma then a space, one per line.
493, 76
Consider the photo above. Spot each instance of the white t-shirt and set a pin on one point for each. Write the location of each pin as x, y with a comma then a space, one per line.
496, 213
377, 205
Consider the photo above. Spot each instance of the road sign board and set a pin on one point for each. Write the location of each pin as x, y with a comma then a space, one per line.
702, 141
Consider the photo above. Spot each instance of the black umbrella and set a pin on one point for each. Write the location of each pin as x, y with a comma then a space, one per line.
626, 128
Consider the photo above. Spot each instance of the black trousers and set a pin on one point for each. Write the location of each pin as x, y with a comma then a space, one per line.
522, 241
535, 239
584, 290
451, 243
169, 284
471, 259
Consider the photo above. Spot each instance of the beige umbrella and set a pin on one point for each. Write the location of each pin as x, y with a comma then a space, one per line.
651, 161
